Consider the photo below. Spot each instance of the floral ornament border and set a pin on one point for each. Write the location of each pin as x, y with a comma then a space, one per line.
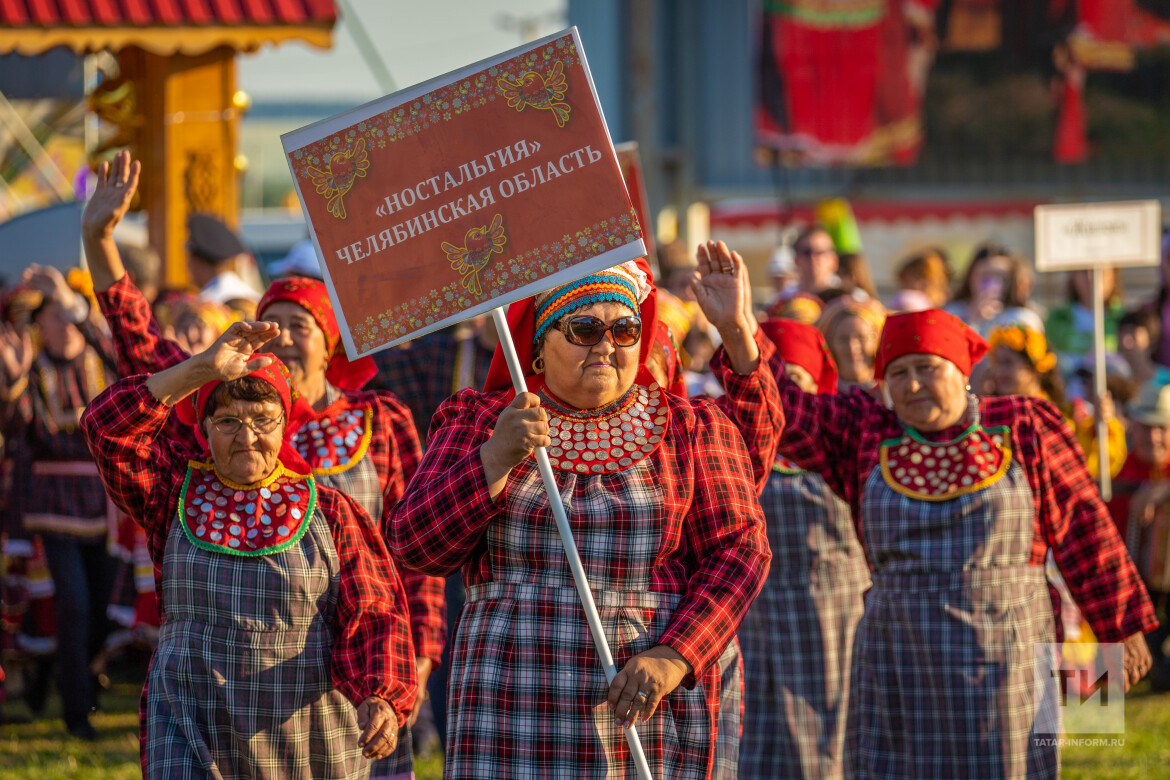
440, 105
503, 277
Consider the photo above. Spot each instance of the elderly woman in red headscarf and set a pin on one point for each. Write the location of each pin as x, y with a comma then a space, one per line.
660, 494
797, 638
957, 501
286, 646
851, 329
362, 443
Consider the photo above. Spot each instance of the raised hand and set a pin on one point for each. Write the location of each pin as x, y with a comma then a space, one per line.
49, 282
723, 290
231, 356
116, 185
16, 353
720, 285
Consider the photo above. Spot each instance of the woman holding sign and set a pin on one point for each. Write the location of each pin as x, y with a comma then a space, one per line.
660, 495
286, 646
362, 443
958, 500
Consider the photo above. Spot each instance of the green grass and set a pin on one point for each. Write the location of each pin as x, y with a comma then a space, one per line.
40, 749
1146, 752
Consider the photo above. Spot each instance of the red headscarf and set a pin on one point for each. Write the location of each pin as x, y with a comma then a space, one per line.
804, 346
522, 324
311, 295
930, 332
674, 369
191, 410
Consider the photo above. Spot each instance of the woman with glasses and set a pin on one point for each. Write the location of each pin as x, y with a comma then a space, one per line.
286, 647
362, 443
958, 500
659, 491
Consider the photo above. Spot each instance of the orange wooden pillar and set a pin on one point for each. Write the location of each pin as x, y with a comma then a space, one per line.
187, 143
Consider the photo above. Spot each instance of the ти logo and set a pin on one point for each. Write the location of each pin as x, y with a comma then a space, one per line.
1074, 697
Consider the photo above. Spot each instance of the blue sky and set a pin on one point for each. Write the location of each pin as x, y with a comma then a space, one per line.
417, 40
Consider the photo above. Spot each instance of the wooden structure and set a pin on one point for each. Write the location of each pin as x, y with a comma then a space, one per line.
175, 100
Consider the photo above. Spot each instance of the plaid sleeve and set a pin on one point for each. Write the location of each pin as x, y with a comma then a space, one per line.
138, 342
725, 534
447, 508
372, 654
752, 403
1084, 541
141, 470
396, 454
426, 600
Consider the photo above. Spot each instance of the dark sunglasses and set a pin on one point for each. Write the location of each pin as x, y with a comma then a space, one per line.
587, 331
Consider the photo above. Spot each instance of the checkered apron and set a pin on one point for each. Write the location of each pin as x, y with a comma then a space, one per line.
360, 482
798, 636
527, 692
240, 685
943, 666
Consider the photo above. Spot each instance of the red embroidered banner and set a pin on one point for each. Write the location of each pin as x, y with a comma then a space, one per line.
466, 192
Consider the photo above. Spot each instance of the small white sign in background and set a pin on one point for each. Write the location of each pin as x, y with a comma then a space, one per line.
1083, 235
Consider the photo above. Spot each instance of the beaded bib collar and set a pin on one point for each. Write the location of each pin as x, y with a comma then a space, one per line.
259, 519
940, 471
335, 443
609, 439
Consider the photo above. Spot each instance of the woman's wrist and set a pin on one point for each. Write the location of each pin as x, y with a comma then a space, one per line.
670, 654
173, 384
105, 264
739, 343
494, 472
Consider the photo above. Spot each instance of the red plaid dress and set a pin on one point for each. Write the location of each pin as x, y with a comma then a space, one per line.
288, 698
393, 449
943, 671
674, 549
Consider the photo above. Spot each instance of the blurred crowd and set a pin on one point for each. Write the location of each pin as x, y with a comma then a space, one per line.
77, 583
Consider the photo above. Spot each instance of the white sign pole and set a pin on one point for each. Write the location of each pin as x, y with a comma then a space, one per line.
566, 533
1104, 478
1076, 236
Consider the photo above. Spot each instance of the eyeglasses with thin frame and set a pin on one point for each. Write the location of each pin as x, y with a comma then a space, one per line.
230, 426
587, 331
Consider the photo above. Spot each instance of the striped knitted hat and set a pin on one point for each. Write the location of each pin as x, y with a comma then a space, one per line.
625, 284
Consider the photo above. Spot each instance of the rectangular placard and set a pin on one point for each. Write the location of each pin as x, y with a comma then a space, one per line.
632, 171
463, 193
1083, 235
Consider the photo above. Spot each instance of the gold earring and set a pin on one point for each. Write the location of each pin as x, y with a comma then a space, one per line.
538, 364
